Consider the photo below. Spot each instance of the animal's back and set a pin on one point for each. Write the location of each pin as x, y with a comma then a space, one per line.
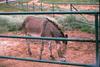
34, 25
41, 26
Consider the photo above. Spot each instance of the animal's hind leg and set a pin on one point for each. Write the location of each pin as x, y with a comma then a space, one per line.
28, 47
50, 49
41, 50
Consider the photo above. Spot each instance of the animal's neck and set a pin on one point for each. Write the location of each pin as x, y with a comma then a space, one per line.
56, 26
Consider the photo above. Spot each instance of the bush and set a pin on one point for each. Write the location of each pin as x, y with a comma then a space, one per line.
3, 25
71, 1
72, 22
8, 24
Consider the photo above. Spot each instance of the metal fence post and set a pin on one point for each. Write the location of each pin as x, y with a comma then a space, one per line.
33, 6
53, 8
71, 9
99, 36
27, 6
97, 39
7, 2
41, 6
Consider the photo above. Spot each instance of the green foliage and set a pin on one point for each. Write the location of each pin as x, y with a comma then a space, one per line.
3, 25
5, 7
70, 22
23, 0
2, 65
7, 25
70, 0
10, 8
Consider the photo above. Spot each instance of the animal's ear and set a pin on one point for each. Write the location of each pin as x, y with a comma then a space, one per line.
66, 36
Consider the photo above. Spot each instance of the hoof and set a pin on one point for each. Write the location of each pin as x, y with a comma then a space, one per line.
52, 57
30, 54
62, 60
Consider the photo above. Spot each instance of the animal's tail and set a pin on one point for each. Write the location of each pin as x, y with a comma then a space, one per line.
22, 26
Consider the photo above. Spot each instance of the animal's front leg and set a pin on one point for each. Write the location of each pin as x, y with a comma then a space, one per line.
50, 49
61, 52
41, 50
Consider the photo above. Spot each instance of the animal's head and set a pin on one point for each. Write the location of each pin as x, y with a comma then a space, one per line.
65, 36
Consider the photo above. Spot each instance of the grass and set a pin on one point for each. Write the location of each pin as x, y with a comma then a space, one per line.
72, 22
70, 1
5, 7
9, 23
2, 65
23, 0
12, 8
68, 22
8, 8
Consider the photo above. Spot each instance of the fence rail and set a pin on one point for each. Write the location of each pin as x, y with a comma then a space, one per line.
96, 14
46, 61
49, 12
74, 3
50, 38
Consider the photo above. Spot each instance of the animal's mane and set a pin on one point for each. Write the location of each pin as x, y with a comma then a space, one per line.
50, 18
54, 22
56, 25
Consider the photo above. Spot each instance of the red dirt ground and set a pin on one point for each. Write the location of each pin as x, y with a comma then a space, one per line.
76, 51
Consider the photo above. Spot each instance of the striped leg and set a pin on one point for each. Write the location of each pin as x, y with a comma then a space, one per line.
50, 49
61, 52
41, 50
28, 46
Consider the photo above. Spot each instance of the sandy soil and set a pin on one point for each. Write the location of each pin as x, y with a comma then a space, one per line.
76, 51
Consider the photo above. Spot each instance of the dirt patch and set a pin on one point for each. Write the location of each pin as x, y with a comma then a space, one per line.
76, 51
